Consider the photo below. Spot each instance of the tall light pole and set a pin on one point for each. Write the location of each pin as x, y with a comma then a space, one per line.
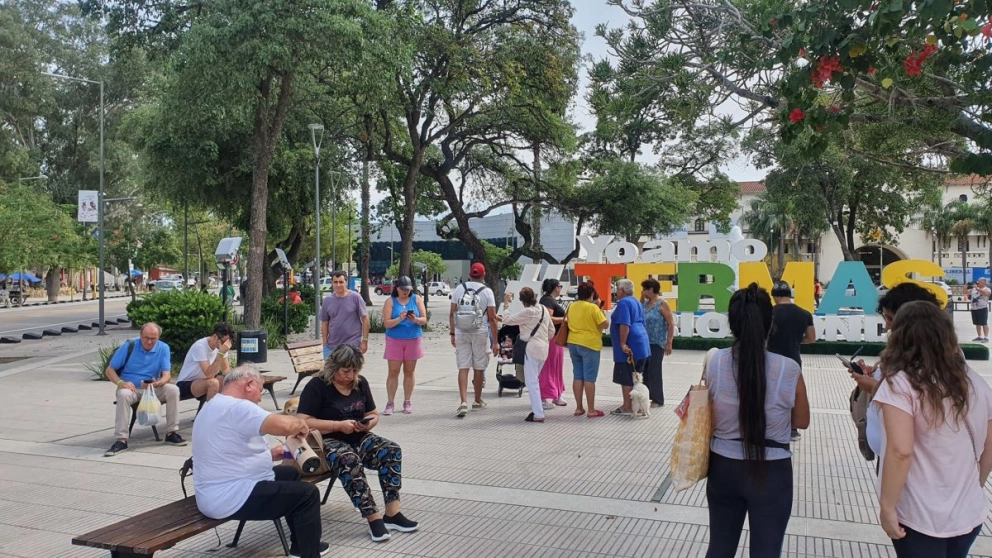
334, 217
99, 216
317, 136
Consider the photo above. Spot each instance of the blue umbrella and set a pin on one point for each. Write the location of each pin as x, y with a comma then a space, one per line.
136, 273
2, 276
23, 276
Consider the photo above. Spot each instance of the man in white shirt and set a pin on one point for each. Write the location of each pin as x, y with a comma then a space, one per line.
232, 464
979, 306
473, 342
205, 361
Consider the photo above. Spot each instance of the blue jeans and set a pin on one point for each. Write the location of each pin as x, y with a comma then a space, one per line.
327, 352
585, 363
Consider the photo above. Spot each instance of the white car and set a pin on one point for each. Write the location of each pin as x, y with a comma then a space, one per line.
438, 288
168, 285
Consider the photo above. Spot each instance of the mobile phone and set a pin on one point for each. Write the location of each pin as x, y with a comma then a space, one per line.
850, 364
409, 313
365, 420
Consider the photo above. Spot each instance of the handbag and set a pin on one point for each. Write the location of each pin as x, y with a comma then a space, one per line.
561, 338
690, 458
520, 347
311, 450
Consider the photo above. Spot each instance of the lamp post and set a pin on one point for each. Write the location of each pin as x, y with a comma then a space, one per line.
334, 217
317, 136
99, 216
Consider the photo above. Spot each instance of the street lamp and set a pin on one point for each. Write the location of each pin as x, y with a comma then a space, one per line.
99, 216
334, 217
317, 136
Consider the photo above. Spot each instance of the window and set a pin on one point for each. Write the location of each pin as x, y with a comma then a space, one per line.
699, 226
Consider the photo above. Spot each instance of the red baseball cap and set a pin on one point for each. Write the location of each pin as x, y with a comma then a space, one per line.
477, 270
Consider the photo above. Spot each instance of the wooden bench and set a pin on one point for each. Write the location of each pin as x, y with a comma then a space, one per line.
307, 357
161, 528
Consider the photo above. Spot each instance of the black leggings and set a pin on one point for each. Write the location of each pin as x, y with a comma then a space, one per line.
287, 496
918, 545
732, 494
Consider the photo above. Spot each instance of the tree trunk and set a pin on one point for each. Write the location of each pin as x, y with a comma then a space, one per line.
407, 229
850, 233
963, 241
465, 233
52, 284
781, 251
267, 127
841, 238
535, 211
366, 238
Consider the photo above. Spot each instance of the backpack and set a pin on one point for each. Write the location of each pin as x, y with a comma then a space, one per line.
860, 400
470, 314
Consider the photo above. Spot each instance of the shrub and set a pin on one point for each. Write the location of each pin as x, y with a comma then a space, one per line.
299, 314
184, 316
99, 368
275, 337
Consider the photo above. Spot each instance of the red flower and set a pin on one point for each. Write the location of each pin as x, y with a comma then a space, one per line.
819, 128
914, 62
797, 115
825, 69
802, 52
987, 30
871, 71
833, 108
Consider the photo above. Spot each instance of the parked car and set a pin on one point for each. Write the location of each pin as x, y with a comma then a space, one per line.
169, 284
326, 284
385, 289
437, 288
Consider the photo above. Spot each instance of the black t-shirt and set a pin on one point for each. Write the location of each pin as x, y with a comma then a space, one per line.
325, 402
556, 310
789, 323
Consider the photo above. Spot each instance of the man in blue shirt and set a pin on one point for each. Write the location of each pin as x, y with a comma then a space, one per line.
136, 364
629, 339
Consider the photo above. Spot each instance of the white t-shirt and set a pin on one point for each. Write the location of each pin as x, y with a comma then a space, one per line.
486, 297
230, 455
942, 497
199, 352
980, 298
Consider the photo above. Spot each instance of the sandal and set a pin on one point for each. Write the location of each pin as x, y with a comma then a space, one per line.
619, 412
579, 413
596, 414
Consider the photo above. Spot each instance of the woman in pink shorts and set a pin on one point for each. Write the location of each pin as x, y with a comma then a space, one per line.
404, 316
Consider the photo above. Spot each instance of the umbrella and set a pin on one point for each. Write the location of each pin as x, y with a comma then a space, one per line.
22, 276
136, 273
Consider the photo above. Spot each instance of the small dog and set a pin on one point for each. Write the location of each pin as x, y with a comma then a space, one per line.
640, 400
289, 408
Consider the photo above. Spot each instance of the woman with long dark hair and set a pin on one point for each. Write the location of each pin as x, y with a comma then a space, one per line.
551, 378
936, 452
757, 399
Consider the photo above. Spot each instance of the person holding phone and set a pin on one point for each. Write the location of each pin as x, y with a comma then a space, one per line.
405, 323
339, 404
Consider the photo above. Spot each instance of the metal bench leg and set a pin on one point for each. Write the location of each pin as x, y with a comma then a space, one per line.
327, 492
282, 536
237, 535
134, 418
299, 378
200, 406
272, 392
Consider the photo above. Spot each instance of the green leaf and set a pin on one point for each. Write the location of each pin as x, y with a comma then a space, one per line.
886, 83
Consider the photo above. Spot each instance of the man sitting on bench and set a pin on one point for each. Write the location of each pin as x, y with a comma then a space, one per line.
205, 360
232, 464
139, 362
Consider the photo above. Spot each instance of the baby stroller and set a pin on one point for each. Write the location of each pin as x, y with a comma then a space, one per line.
506, 337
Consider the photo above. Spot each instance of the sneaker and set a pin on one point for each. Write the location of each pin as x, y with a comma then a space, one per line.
175, 439
119, 446
407, 407
978, 339
476, 405
378, 531
560, 402
795, 435
388, 410
984, 340
399, 522
323, 549
547, 405
462, 410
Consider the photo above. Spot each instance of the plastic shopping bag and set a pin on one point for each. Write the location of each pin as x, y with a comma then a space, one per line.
149, 408
691, 450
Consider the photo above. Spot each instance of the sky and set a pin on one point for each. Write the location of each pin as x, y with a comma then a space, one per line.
589, 14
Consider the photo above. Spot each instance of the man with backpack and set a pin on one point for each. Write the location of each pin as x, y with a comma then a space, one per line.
472, 321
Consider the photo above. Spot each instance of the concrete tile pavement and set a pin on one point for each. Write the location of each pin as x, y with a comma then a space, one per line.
487, 485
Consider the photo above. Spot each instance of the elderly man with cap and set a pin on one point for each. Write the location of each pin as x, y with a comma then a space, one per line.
472, 321
791, 326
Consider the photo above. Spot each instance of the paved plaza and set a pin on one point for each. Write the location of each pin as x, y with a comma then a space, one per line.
486, 485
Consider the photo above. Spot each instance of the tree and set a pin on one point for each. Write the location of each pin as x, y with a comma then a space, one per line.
983, 221
771, 217
435, 264
937, 219
35, 232
964, 216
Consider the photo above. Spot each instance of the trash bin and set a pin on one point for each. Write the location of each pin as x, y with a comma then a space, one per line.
253, 347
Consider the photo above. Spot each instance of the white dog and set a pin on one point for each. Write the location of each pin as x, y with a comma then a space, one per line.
640, 400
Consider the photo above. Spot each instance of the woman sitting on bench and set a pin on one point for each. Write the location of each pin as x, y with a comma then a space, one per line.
340, 406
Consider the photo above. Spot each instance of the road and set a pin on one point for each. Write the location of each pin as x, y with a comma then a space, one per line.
34, 319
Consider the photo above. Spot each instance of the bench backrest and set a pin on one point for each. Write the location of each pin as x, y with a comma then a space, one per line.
307, 356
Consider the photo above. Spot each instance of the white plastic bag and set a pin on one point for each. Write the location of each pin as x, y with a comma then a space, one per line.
149, 408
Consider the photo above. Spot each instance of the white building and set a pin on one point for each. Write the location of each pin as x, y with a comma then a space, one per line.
914, 243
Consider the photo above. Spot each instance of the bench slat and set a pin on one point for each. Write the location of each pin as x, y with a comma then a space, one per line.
308, 369
319, 358
303, 344
314, 350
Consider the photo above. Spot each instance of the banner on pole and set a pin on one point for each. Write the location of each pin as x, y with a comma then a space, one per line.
88, 200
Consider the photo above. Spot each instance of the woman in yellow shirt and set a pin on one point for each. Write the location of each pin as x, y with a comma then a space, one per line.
586, 323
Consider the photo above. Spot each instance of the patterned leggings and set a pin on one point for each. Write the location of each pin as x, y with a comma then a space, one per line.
348, 463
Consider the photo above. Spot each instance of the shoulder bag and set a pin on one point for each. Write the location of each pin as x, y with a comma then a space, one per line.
690, 459
520, 346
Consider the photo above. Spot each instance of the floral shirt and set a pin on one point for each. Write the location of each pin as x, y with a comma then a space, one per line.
656, 324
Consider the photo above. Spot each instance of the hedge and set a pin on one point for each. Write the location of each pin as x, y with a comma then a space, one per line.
972, 351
